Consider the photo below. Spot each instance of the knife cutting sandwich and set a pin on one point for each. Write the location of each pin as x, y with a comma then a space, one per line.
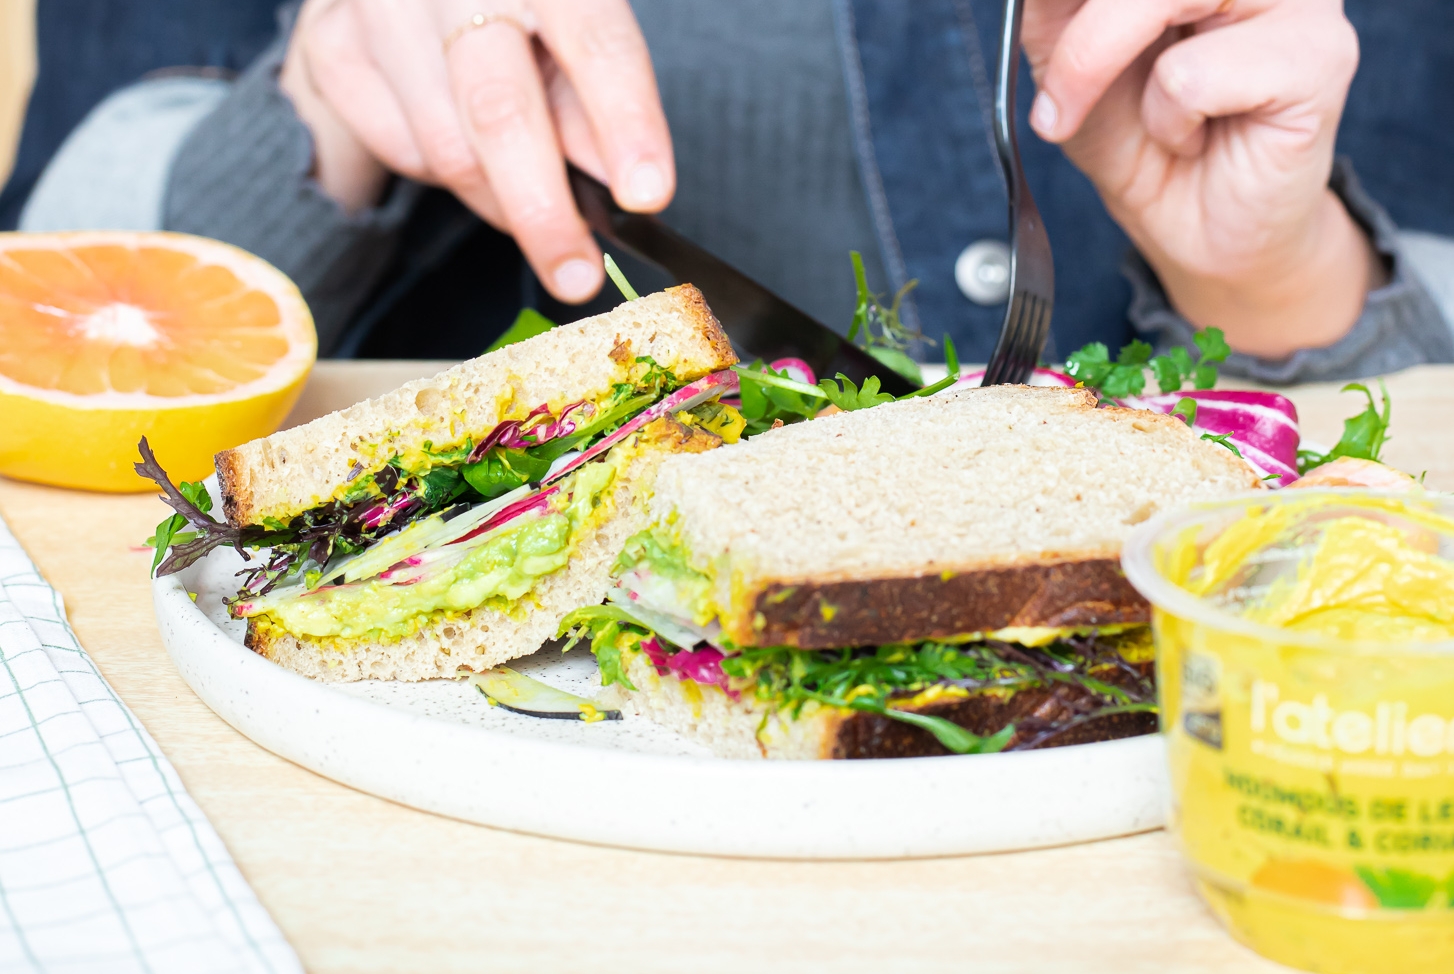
453, 522
926, 576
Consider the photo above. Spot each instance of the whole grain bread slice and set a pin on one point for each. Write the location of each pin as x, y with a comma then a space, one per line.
283, 475
932, 517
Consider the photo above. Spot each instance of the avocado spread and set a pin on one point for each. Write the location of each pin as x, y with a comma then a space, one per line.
505, 568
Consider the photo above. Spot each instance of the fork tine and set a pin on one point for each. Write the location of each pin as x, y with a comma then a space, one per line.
1032, 270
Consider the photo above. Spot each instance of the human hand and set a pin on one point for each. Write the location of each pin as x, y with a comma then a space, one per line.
1208, 126
489, 110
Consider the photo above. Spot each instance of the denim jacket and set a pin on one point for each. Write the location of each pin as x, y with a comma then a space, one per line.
918, 80
920, 77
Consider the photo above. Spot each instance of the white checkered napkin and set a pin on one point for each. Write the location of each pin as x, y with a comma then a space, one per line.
106, 863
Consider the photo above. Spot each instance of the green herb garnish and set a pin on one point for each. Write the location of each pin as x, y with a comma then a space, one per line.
1363, 435
1126, 376
879, 329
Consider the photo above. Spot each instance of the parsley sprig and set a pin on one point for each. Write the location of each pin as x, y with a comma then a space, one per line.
1126, 375
1363, 434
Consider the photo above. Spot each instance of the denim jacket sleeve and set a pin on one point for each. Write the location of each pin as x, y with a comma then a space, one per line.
1401, 323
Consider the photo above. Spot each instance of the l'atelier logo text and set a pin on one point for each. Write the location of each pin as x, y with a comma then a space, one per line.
1388, 730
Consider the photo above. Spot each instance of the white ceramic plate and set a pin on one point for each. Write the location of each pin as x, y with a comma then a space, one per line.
440, 747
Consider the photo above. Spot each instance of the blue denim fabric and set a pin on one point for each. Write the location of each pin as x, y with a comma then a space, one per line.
89, 48
929, 133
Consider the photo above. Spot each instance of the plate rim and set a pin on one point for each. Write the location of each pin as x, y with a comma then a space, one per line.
177, 613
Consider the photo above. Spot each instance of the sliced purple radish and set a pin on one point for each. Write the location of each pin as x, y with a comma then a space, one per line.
705, 388
796, 369
1262, 425
1041, 377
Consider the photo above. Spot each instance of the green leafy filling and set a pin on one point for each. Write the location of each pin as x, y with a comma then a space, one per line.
873, 679
1363, 435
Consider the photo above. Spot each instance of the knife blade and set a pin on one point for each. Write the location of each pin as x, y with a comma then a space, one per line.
759, 323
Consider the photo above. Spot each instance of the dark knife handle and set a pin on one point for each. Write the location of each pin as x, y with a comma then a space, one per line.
759, 323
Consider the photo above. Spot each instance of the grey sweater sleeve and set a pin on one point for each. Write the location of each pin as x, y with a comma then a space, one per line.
1400, 326
243, 175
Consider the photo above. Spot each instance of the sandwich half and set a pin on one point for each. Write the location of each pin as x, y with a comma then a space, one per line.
453, 522
927, 576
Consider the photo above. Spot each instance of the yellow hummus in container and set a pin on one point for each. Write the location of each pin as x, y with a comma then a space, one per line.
1305, 659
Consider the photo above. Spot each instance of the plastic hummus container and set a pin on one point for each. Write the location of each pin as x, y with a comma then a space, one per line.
1305, 659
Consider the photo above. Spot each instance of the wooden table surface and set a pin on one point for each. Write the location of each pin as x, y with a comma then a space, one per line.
361, 884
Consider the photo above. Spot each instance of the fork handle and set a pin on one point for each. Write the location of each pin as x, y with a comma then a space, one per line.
1009, 72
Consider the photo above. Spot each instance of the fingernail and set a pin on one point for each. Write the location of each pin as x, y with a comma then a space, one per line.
576, 279
646, 185
1044, 114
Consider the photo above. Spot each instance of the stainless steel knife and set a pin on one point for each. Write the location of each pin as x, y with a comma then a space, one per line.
759, 323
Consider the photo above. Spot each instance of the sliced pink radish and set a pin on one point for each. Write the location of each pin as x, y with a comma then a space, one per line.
1263, 425
705, 388
1040, 377
796, 369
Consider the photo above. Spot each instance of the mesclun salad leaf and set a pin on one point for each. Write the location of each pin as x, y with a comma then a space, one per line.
771, 396
875, 679
1363, 434
515, 453
1126, 376
880, 330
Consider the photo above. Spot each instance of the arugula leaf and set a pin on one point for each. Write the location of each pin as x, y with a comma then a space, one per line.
849, 397
952, 736
1363, 434
166, 533
1186, 408
769, 396
527, 324
1224, 439
1125, 376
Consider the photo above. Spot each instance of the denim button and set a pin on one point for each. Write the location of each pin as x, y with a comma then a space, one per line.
982, 272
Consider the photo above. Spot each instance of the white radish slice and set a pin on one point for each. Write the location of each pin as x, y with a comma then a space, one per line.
429, 532
525, 695
705, 388
670, 628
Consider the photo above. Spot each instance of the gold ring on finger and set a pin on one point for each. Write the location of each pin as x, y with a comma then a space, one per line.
484, 20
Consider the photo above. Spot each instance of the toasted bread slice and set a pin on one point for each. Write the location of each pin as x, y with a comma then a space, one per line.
283, 475
962, 513
488, 636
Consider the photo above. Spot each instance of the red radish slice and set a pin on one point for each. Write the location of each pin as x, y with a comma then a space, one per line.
1262, 425
1040, 377
705, 388
796, 369
525, 505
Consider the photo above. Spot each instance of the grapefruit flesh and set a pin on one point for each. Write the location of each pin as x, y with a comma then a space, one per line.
109, 336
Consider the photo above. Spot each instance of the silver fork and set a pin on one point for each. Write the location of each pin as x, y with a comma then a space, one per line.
1032, 272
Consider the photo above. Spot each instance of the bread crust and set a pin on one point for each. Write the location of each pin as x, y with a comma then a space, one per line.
813, 614
744, 727
283, 475
865, 735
